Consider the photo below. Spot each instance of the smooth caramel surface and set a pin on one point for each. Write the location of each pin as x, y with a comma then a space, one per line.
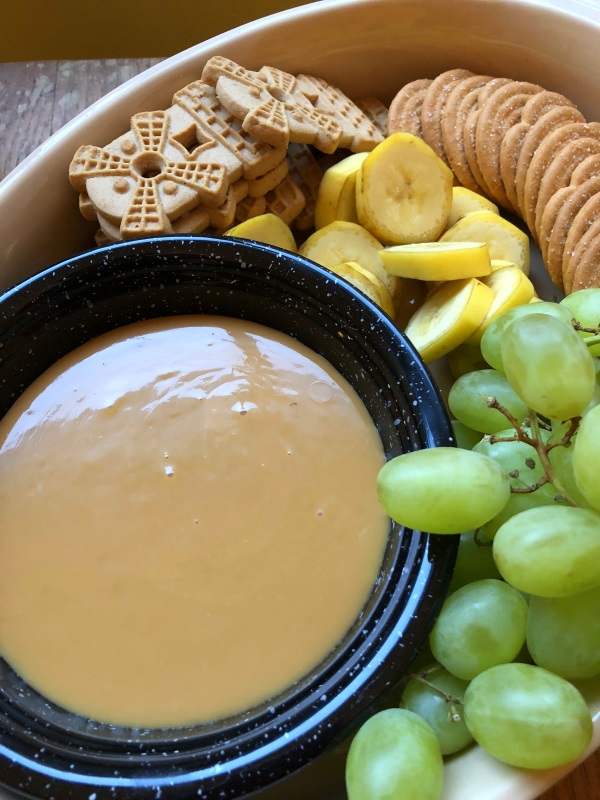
188, 521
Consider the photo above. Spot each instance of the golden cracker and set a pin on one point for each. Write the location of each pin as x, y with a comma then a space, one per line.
534, 138
546, 152
434, 104
534, 110
588, 214
462, 100
557, 221
470, 131
560, 172
404, 114
502, 110
582, 264
586, 274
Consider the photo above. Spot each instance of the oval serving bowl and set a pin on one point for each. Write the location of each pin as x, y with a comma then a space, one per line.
365, 47
47, 751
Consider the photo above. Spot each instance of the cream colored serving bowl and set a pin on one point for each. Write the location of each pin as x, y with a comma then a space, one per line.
365, 47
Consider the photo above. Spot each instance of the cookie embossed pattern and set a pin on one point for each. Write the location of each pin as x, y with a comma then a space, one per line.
221, 154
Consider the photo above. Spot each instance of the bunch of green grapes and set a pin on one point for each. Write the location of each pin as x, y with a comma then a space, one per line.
522, 620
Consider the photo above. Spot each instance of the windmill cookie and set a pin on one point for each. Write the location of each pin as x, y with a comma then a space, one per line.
278, 108
307, 173
404, 115
143, 181
359, 133
250, 207
286, 201
199, 117
376, 112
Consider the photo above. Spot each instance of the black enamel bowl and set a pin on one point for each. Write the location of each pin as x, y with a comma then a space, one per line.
292, 740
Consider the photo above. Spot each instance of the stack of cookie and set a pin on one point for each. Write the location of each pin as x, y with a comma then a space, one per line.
528, 149
234, 144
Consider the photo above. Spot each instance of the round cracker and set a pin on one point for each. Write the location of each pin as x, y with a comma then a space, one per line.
558, 218
534, 139
581, 263
433, 108
534, 109
499, 114
588, 214
547, 151
462, 100
560, 171
404, 114
586, 273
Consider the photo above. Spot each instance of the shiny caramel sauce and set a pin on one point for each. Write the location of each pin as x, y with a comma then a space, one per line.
188, 521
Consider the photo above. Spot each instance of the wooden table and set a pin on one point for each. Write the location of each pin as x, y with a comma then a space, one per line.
39, 97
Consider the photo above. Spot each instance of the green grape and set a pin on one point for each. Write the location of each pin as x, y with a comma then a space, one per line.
394, 756
469, 395
521, 462
544, 496
527, 717
561, 461
444, 716
584, 306
480, 625
490, 341
550, 551
548, 366
518, 459
464, 436
586, 461
442, 489
563, 634
474, 562
465, 358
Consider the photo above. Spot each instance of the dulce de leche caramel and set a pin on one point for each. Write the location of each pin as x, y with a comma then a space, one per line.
188, 521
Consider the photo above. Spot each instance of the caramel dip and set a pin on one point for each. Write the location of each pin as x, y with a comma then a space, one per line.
188, 521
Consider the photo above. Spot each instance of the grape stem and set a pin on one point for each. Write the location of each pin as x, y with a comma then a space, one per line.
452, 701
579, 327
592, 340
543, 449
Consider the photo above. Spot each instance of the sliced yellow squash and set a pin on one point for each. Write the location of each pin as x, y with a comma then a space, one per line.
504, 240
437, 261
450, 314
403, 191
266, 228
